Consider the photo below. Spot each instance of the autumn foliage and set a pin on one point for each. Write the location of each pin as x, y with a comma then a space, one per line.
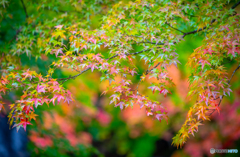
134, 44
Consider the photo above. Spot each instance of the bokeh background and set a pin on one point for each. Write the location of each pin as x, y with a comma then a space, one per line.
90, 126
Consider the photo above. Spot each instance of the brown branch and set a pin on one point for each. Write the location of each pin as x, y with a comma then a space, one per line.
174, 28
189, 14
148, 42
73, 77
25, 9
135, 53
15, 36
146, 73
235, 5
198, 30
223, 95
20, 29
201, 29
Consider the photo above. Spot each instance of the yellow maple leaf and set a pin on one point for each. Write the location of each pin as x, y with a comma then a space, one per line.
11, 106
32, 116
12, 74
143, 77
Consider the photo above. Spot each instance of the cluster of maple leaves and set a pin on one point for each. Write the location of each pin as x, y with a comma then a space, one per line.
211, 81
39, 90
153, 26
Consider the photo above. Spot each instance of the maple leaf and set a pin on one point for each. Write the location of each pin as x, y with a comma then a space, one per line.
58, 26
160, 116
105, 65
202, 115
104, 92
191, 131
3, 89
149, 112
194, 127
27, 109
40, 89
56, 88
93, 66
53, 82
92, 40
97, 57
68, 97
114, 97
114, 70
133, 72
203, 62
215, 107
59, 97
24, 123
28, 74
11, 106
143, 77
231, 51
1, 105
208, 50
57, 51
164, 92
40, 78
119, 89
32, 115
121, 104
154, 88
36, 101
4, 80
59, 33
163, 75
13, 74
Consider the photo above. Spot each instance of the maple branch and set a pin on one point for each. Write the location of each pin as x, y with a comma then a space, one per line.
73, 77
201, 29
24, 7
148, 42
223, 95
189, 14
20, 29
198, 30
146, 73
175, 28
235, 5
15, 36
228, 83
233, 73
135, 53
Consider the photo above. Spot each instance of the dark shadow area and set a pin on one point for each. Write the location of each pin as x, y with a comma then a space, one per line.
12, 143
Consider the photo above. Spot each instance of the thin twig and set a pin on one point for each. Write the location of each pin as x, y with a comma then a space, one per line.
135, 53
201, 29
175, 28
146, 73
148, 42
223, 95
235, 5
15, 36
24, 7
73, 77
